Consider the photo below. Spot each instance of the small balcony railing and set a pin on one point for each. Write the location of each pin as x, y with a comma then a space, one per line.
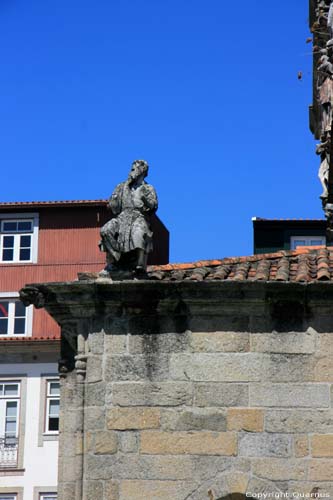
8, 452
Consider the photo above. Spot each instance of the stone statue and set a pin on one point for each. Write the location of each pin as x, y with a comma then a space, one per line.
323, 149
127, 238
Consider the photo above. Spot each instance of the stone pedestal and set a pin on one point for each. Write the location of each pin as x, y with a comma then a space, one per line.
193, 390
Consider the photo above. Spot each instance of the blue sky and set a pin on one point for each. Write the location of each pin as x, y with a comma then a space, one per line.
206, 92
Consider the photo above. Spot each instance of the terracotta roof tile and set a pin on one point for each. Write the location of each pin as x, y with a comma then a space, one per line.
305, 264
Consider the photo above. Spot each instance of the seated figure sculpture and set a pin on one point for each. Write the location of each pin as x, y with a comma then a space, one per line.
127, 238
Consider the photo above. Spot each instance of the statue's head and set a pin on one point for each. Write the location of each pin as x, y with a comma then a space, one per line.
139, 169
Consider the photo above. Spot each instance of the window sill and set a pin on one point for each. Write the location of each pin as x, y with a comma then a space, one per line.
51, 437
11, 471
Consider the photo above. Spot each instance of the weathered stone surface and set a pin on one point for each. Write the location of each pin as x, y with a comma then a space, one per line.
245, 419
291, 342
221, 486
68, 469
299, 421
194, 419
322, 445
159, 490
111, 490
133, 418
196, 443
288, 368
116, 344
325, 341
279, 469
93, 489
325, 489
217, 367
99, 466
219, 394
94, 418
94, 369
102, 442
96, 342
320, 470
220, 342
324, 369
95, 394
129, 442
159, 343
289, 395
162, 467
264, 445
301, 445
262, 487
150, 394
136, 368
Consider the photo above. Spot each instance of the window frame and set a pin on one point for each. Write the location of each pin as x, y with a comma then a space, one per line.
17, 217
47, 496
307, 240
48, 398
13, 297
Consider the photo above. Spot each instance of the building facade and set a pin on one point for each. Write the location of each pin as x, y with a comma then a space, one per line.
40, 241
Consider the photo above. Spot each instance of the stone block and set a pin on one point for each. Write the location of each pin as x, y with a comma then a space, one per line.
111, 490
279, 469
94, 418
151, 394
289, 395
102, 442
320, 470
258, 488
116, 344
155, 490
68, 469
324, 369
291, 342
95, 394
93, 489
304, 489
94, 369
159, 343
223, 485
219, 394
194, 419
195, 443
325, 344
301, 445
264, 445
245, 419
288, 368
243, 367
99, 466
136, 368
299, 421
128, 442
160, 467
133, 418
220, 342
96, 342
322, 445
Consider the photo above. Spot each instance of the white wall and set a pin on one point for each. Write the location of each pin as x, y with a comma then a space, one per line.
40, 463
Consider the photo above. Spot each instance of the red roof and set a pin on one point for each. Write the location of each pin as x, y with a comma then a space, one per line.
41, 204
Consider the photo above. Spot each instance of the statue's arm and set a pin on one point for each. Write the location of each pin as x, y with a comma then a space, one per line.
149, 198
115, 200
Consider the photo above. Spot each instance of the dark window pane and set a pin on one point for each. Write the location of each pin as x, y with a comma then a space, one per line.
53, 424
19, 325
3, 309
8, 241
25, 254
3, 326
25, 241
8, 255
19, 309
11, 390
9, 226
25, 225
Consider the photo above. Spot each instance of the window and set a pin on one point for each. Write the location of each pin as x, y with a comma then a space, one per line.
46, 496
15, 318
8, 497
297, 241
52, 406
9, 416
18, 238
